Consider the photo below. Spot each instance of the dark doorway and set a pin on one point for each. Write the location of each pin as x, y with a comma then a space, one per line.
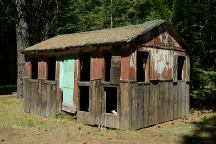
111, 99
51, 68
181, 61
141, 66
34, 65
107, 66
84, 98
85, 68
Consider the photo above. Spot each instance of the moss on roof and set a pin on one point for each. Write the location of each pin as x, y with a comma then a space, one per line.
105, 36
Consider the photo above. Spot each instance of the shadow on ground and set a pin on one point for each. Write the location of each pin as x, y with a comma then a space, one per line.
7, 89
204, 133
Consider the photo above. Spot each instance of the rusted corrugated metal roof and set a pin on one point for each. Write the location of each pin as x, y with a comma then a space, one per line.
105, 36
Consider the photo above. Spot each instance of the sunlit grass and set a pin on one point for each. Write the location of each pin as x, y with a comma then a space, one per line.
12, 116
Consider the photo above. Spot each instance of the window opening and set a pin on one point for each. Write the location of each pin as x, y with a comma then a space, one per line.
107, 66
181, 61
141, 66
84, 98
111, 99
51, 68
34, 64
85, 68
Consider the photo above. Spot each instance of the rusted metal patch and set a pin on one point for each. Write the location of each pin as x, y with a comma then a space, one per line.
57, 70
76, 88
166, 41
161, 64
132, 67
125, 68
128, 68
96, 68
42, 70
27, 70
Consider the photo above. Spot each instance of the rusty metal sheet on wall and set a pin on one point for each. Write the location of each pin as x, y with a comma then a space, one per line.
42, 70
125, 68
166, 41
161, 64
96, 68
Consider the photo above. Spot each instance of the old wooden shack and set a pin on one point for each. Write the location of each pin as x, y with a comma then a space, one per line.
128, 77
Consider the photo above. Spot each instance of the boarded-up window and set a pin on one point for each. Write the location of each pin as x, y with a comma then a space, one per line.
111, 99
34, 66
85, 68
51, 68
115, 70
84, 98
141, 62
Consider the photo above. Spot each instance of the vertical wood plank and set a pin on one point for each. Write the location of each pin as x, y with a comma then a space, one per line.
53, 101
180, 100
140, 103
34, 95
124, 106
187, 100
146, 105
153, 104
170, 101
167, 104
183, 99
175, 100
161, 103
134, 123
26, 95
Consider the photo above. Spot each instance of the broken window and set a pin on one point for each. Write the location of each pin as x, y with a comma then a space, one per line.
142, 58
34, 65
84, 98
107, 66
85, 68
51, 68
111, 99
181, 61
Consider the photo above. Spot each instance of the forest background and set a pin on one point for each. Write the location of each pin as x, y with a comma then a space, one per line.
37, 20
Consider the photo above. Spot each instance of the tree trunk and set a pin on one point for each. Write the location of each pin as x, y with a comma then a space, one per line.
22, 42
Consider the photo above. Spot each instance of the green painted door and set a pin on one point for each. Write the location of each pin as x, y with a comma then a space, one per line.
67, 83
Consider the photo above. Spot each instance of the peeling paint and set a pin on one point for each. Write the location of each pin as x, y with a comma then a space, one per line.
163, 62
133, 61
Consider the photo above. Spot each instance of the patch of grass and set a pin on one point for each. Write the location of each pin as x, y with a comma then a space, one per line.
12, 115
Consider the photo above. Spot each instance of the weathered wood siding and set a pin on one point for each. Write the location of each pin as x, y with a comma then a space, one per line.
139, 105
40, 97
158, 102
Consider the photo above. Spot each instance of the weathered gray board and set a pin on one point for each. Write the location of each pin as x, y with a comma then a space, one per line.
40, 97
158, 102
139, 105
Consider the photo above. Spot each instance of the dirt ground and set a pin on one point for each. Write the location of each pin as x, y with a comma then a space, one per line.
17, 127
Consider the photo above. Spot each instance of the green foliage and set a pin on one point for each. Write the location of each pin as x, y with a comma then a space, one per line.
7, 42
195, 21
